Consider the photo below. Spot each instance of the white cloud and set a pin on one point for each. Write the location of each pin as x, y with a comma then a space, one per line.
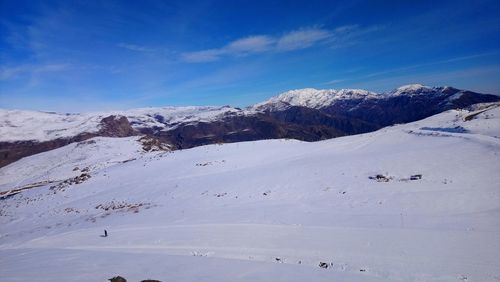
300, 39
251, 44
240, 47
136, 48
202, 56
290, 41
335, 81
7, 73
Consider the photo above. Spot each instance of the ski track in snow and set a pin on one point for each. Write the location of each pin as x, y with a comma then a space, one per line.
348, 249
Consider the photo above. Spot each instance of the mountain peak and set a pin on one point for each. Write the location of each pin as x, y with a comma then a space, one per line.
411, 88
317, 98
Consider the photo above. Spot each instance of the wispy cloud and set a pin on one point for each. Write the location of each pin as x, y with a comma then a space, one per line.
241, 47
303, 38
202, 56
12, 72
374, 75
251, 44
334, 81
289, 41
459, 78
451, 60
136, 48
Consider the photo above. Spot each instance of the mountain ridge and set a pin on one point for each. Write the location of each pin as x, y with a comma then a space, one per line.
304, 114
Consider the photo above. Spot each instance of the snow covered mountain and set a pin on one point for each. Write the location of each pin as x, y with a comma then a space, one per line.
412, 202
18, 125
306, 114
314, 98
405, 104
324, 98
415, 89
23, 133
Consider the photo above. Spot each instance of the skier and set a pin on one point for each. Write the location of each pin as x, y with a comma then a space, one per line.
105, 233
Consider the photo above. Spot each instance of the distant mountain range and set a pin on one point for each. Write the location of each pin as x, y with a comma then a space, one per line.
304, 114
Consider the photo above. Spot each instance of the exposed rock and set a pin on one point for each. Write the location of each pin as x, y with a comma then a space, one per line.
123, 206
380, 178
152, 144
71, 181
117, 279
416, 177
116, 126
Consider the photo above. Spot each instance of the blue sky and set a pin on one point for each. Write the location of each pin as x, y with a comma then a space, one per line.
98, 55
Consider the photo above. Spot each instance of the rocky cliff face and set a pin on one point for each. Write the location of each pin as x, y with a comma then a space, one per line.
115, 126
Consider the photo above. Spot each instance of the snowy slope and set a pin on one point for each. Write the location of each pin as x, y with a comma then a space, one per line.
16, 125
267, 210
60, 164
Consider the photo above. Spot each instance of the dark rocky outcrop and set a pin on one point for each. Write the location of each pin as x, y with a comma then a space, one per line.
117, 279
295, 123
115, 126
